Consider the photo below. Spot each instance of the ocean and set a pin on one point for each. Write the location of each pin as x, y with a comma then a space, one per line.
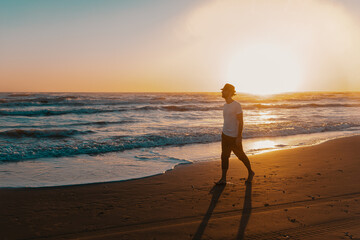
53, 139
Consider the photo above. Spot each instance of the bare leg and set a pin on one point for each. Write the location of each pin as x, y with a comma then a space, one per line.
225, 155
224, 168
223, 176
242, 156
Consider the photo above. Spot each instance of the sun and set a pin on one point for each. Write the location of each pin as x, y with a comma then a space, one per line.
264, 69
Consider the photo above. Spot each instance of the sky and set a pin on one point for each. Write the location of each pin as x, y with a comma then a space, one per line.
260, 46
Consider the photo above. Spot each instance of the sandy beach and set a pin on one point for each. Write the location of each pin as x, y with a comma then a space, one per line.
302, 193
118, 120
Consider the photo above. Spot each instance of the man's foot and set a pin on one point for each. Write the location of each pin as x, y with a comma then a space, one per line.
221, 182
250, 177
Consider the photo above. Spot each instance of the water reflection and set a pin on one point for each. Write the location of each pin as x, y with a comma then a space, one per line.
262, 144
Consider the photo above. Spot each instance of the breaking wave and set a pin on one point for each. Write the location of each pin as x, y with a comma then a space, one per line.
35, 133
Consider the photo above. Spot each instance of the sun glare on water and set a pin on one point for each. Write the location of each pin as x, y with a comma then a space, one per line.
264, 69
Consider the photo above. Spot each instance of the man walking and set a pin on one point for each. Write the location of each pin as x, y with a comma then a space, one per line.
231, 137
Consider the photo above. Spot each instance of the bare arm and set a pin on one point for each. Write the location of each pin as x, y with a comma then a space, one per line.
241, 124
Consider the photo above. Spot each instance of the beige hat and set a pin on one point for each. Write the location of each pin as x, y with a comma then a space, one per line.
229, 87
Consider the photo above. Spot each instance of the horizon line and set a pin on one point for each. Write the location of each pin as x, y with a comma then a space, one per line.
310, 91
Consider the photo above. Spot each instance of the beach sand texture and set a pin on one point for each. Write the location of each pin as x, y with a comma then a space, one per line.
302, 193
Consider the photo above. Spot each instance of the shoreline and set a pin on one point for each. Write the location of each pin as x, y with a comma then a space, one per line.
294, 191
213, 158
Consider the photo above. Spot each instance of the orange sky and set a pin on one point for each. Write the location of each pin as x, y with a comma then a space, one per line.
259, 46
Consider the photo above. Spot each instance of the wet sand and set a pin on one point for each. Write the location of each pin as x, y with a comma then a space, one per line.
303, 193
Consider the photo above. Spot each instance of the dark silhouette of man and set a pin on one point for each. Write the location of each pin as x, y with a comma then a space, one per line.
231, 137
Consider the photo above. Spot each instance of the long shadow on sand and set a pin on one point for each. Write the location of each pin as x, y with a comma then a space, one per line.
245, 216
216, 192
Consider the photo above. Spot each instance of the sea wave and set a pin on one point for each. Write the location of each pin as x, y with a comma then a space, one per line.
20, 94
36, 133
47, 112
294, 106
101, 123
98, 99
247, 106
29, 99
95, 103
180, 108
13, 153
289, 129
19, 152
93, 123
169, 108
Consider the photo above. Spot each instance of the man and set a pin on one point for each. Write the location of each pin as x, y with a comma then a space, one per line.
231, 137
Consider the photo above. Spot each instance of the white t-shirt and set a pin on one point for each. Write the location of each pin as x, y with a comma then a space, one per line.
231, 123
